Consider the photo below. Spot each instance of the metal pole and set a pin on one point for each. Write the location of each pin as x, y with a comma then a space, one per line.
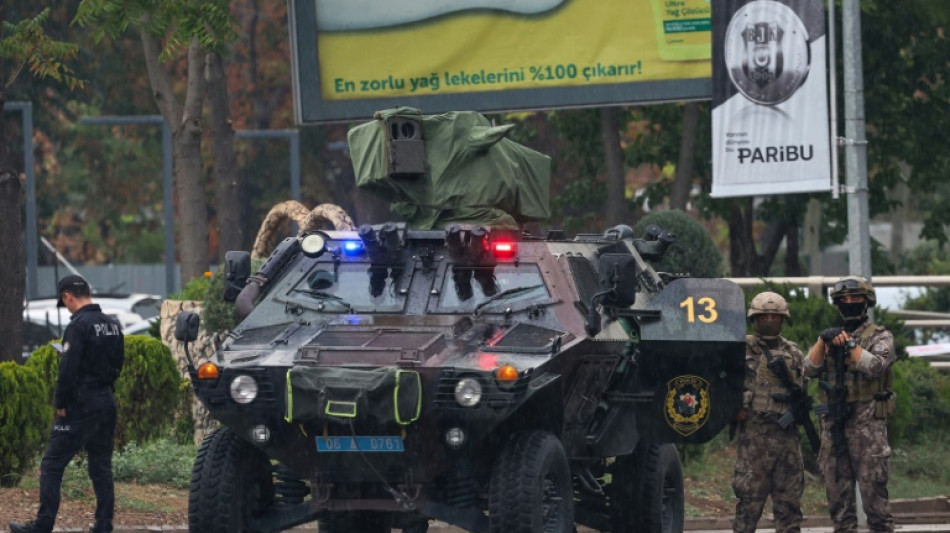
833, 104
168, 210
293, 136
859, 253
295, 165
167, 198
32, 244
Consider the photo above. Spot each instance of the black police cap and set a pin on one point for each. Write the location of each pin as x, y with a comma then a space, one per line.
71, 281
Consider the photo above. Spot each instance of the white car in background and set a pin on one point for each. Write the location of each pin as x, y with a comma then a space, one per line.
43, 321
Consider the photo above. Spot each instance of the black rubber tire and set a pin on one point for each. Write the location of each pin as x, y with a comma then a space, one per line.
231, 481
646, 491
531, 488
355, 521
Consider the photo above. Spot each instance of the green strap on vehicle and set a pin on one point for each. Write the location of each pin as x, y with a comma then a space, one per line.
418, 383
290, 399
341, 409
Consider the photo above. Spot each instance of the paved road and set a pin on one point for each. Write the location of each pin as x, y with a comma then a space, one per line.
693, 526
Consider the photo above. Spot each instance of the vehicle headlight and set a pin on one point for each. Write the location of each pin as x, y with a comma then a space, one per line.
260, 434
455, 437
468, 392
243, 389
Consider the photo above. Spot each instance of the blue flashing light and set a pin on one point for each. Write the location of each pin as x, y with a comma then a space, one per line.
352, 247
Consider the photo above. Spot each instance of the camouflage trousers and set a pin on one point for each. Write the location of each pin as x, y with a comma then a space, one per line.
768, 463
865, 463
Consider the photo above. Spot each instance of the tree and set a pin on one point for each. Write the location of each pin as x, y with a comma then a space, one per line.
613, 158
906, 95
167, 27
23, 45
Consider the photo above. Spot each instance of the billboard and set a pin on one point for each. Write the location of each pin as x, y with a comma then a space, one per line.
770, 98
354, 57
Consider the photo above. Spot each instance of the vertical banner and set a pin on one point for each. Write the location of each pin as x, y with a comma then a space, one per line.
770, 98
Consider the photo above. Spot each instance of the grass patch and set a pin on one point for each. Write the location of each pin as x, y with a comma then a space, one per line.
162, 461
920, 470
142, 505
916, 471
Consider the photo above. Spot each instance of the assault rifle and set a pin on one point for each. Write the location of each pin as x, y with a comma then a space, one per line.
837, 409
798, 400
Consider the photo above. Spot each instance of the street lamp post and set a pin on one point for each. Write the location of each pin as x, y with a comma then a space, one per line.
32, 262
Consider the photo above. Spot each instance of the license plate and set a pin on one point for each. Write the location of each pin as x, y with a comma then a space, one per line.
359, 444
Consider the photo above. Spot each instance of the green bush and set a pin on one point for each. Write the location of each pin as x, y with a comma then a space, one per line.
195, 289
45, 361
183, 431
694, 251
923, 403
147, 392
216, 314
25, 418
160, 461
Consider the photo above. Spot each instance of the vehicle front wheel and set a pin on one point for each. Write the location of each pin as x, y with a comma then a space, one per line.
231, 482
646, 491
531, 488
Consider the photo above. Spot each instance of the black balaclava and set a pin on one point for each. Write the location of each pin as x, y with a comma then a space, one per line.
854, 314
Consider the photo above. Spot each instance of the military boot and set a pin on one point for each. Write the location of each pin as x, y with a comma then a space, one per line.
29, 527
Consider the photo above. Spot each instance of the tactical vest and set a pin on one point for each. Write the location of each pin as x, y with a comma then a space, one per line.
861, 387
766, 382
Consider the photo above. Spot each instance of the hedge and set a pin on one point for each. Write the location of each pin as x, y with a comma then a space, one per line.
148, 394
694, 251
25, 418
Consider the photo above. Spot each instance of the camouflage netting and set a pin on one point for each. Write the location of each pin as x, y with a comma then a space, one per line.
473, 173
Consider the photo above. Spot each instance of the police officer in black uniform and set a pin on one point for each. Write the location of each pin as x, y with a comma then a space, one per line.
92, 356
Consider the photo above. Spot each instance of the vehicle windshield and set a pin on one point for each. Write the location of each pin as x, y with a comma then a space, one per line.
350, 287
489, 289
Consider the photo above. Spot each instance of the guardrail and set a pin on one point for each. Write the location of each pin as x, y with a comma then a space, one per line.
820, 284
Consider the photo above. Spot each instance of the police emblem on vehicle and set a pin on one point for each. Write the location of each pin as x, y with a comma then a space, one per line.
687, 404
766, 52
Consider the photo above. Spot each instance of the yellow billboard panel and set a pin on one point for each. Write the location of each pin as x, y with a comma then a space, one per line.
352, 57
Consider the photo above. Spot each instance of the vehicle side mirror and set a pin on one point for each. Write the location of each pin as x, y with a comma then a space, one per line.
237, 268
186, 326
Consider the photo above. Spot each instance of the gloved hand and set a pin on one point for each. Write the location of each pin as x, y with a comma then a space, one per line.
829, 335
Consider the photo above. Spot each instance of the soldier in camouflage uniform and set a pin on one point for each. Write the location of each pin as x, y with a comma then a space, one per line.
863, 455
769, 457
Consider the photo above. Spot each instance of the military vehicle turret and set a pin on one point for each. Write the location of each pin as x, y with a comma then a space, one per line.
449, 368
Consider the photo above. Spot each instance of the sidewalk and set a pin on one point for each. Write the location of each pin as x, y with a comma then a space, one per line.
699, 525
925, 515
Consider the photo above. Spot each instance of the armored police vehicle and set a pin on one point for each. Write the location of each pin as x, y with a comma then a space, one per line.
452, 367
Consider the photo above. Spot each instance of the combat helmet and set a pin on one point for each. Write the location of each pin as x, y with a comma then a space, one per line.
853, 286
768, 303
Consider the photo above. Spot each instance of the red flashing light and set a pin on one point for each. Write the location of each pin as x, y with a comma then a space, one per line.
505, 250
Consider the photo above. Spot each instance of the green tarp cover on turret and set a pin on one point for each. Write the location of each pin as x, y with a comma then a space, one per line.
474, 174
